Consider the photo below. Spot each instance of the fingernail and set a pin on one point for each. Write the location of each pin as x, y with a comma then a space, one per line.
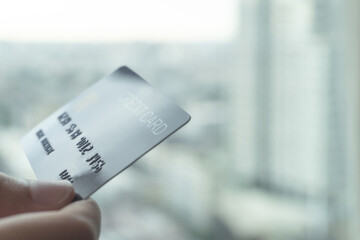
47, 193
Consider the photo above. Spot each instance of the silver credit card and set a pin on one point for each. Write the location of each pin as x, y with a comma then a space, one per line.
101, 132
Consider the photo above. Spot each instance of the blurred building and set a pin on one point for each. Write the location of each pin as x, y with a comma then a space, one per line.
289, 128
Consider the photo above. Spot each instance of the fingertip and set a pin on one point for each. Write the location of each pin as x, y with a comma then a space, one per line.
54, 193
20, 196
87, 213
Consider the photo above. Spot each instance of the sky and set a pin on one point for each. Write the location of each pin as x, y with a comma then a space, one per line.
117, 20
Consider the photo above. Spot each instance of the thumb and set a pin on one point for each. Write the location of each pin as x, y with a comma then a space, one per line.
19, 196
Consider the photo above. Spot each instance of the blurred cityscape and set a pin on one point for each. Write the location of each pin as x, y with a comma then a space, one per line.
266, 153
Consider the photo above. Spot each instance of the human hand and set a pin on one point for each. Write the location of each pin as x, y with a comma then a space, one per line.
43, 211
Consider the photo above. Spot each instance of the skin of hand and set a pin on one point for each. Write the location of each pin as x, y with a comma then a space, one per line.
44, 210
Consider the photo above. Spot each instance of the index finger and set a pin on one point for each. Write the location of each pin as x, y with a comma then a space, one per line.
78, 220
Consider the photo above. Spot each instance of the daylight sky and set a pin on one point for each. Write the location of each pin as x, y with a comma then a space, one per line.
117, 20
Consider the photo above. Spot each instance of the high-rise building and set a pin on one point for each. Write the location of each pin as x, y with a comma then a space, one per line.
289, 129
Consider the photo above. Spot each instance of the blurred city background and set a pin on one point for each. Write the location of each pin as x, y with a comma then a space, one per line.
271, 151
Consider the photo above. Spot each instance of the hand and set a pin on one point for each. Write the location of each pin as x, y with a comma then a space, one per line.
43, 211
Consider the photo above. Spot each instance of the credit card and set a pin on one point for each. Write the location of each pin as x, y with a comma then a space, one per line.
101, 132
